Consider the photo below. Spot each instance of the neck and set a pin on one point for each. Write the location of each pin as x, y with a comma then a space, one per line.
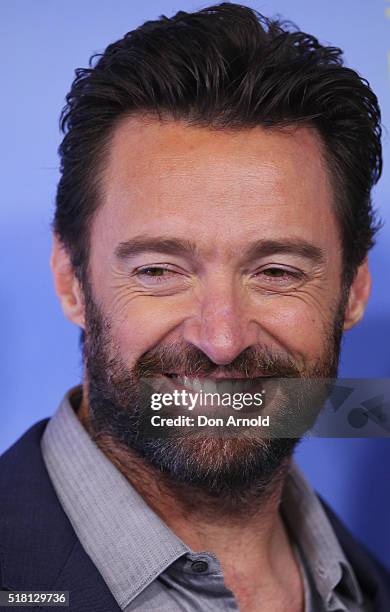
203, 523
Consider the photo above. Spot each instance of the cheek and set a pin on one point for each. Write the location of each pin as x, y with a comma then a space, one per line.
300, 327
144, 323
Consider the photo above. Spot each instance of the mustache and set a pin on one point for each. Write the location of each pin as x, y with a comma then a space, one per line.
184, 359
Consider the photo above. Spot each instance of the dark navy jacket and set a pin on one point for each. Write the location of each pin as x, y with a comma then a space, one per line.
39, 549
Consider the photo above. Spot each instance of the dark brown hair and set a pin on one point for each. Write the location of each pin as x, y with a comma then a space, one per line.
224, 67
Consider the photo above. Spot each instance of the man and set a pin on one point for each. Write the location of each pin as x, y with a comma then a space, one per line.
212, 226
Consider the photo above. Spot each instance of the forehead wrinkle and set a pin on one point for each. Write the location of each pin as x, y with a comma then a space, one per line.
164, 153
123, 182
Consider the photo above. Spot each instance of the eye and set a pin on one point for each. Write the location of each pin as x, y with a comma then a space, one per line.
162, 279
279, 273
279, 277
155, 273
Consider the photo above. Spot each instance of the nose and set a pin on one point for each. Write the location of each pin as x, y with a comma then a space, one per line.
222, 327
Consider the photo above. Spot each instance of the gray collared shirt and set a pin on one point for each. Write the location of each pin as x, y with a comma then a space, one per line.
145, 565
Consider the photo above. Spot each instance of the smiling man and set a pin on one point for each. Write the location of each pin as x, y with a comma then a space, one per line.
212, 227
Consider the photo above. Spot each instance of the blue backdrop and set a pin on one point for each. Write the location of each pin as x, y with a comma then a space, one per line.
42, 42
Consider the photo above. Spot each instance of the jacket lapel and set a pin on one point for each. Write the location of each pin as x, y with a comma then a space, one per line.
39, 549
88, 591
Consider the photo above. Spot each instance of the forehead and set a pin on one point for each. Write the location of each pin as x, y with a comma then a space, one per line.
169, 176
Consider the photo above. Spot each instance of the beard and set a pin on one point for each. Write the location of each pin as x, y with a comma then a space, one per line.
227, 472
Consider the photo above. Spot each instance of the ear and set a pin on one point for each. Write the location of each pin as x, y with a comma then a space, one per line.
358, 296
66, 284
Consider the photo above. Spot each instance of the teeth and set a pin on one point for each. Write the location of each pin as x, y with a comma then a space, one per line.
190, 383
197, 385
186, 381
209, 386
212, 386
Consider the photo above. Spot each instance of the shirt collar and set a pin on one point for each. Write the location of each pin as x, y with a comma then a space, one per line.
308, 522
130, 545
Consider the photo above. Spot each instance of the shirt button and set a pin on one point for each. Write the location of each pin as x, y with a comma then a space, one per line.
199, 567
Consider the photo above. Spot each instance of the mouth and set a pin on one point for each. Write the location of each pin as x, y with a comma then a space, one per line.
216, 384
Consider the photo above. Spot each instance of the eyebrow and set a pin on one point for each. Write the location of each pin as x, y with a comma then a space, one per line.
295, 246
175, 246
161, 244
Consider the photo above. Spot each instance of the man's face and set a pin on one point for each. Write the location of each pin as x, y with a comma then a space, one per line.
214, 247
233, 197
